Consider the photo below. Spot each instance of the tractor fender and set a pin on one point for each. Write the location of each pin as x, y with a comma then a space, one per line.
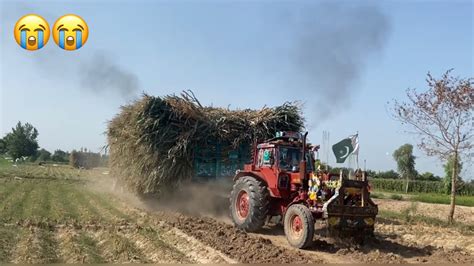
240, 174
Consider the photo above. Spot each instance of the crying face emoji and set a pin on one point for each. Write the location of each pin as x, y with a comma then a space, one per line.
31, 32
70, 32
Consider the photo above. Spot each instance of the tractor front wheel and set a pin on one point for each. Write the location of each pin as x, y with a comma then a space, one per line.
249, 203
299, 226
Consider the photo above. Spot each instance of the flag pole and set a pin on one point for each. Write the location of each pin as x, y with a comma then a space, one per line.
357, 157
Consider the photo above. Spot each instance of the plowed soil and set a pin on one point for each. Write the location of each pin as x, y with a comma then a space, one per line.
79, 219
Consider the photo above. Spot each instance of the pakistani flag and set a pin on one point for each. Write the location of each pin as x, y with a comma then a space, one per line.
346, 147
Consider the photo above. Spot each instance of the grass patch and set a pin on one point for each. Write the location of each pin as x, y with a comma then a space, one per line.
89, 246
13, 207
105, 202
48, 247
444, 199
36, 205
425, 197
4, 163
8, 238
396, 197
87, 211
376, 195
154, 236
121, 249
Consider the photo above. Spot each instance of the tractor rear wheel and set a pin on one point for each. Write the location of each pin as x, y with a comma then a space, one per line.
299, 226
249, 203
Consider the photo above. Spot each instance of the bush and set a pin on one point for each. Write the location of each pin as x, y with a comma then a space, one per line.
418, 186
396, 197
386, 175
60, 156
376, 195
409, 212
43, 155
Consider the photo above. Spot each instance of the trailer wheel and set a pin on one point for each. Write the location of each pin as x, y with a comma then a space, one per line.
299, 226
249, 203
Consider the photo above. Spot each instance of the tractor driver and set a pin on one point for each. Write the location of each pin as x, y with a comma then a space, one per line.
289, 158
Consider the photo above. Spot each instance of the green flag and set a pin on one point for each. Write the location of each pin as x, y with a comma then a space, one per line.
342, 149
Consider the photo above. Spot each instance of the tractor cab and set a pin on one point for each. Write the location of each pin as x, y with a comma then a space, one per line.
278, 162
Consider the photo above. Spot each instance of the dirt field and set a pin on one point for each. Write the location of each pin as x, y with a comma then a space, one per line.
462, 214
56, 214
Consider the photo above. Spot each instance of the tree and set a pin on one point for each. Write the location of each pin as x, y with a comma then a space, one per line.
371, 173
428, 176
388, 174
44, 155
22, 140
448, 169
442, 119
405, 163
60, 156
3, 146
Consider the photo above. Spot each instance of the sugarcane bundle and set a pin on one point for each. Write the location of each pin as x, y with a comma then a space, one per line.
81, 159
152, 140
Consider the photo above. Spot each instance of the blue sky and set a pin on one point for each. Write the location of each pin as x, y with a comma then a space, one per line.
242, 54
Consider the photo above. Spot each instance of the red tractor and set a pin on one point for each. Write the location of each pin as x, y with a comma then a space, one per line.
282, 181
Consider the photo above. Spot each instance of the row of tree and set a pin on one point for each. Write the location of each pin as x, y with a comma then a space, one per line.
22, 143
406, 167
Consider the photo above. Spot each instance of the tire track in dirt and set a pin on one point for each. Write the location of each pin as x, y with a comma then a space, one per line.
194, 249
184, 248
255, 248
155, 249
191, 247
126, 234
237, 244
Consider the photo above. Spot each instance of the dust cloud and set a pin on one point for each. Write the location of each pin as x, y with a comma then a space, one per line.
210, 198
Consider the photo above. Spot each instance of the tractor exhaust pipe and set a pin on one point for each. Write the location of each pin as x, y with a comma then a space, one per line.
303, 161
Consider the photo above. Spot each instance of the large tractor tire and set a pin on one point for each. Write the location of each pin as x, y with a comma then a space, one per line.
299, 226
249, 203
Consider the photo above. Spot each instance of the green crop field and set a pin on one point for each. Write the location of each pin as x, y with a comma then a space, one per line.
461, 200
48, 215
